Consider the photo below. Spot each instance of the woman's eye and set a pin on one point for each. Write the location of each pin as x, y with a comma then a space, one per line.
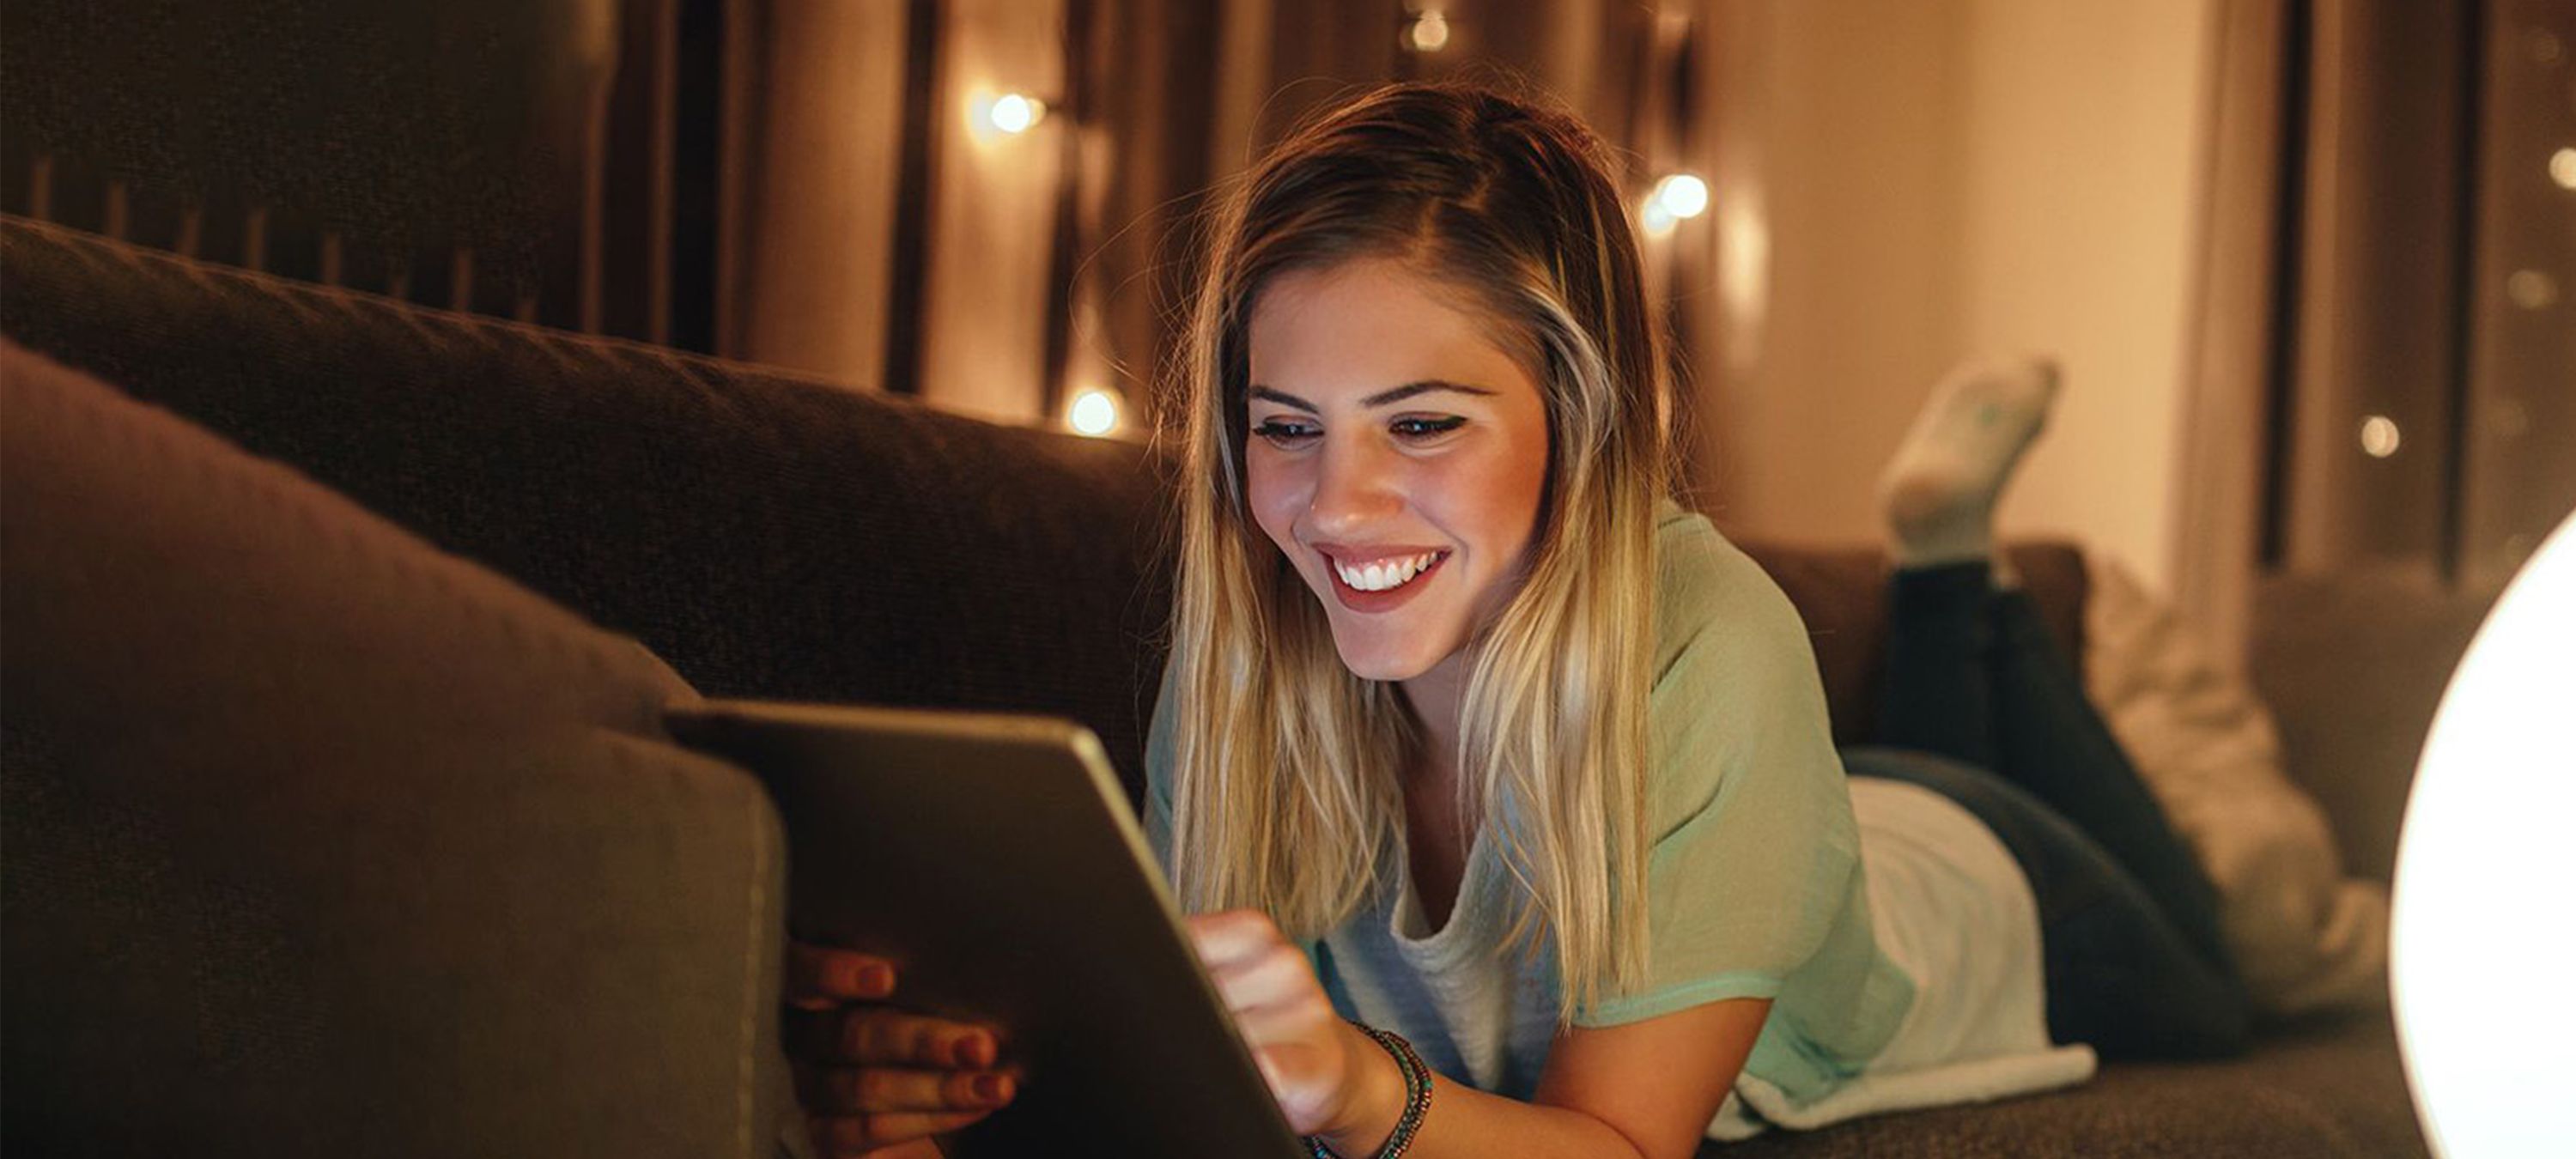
1285, 434
1427, 428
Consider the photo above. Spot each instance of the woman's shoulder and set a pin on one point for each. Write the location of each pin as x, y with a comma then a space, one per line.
1709, 594
1736, 701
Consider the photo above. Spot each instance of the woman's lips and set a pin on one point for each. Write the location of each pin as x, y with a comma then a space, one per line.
1385, 601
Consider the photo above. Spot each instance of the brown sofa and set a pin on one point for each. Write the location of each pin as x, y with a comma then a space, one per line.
203, 930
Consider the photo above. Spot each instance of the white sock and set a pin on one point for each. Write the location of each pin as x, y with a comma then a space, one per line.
1938, 494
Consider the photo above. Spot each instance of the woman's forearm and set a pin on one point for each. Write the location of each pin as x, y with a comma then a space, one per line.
1466, 1123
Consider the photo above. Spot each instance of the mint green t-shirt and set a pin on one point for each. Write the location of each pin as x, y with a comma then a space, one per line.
1754, 884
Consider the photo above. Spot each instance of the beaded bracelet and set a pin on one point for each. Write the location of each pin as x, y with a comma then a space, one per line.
1417, 1096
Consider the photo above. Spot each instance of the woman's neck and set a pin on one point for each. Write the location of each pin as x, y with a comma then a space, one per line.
1434, 697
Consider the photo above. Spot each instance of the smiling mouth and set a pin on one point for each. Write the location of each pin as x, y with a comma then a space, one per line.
1386, 575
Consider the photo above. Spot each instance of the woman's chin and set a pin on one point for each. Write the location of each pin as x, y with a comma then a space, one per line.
1371, 662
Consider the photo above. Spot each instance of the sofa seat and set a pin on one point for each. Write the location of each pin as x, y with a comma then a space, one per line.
2330, 1088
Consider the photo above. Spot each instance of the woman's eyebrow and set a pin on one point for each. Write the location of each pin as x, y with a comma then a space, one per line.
1381, 398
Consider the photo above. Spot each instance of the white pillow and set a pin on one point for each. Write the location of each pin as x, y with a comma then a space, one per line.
2306, 937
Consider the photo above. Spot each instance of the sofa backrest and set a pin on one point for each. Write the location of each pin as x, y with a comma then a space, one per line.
2353, 665
769, 535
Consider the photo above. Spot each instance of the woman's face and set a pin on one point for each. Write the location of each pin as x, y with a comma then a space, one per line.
1396, 456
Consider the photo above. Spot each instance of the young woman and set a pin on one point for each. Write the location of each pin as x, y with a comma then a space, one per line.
1502, 786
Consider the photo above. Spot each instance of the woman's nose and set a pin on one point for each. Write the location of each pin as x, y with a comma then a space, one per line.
1354, 487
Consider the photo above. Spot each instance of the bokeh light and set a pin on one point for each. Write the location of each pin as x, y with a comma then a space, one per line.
1094, 413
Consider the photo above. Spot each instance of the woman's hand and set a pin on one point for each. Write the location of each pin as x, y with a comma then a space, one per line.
1330, 1079
871, 1076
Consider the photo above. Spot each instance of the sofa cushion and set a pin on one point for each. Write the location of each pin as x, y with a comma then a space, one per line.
319, 841
2305, 936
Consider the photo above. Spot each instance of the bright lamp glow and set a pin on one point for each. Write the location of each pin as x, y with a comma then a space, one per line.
1429, 32
2478, 964
1010, 112
1094, 413
1675, 198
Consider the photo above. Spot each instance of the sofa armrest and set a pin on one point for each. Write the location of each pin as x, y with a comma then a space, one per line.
319, 841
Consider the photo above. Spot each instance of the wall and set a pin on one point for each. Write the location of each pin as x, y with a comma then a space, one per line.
1950, 179
1840, 119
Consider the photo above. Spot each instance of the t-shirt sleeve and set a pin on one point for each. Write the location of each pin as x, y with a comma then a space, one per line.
1158, 776
1753, 839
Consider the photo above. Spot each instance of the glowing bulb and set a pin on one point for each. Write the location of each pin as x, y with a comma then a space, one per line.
2379, 436
1094, 413
1682, 195
1429, 32
1677, 196
1012, 112
2562, 168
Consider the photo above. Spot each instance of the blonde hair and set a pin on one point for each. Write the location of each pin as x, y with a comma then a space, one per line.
1287, 768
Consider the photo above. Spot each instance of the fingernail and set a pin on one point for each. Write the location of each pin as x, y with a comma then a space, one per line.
876, 981
976, 1050
991, 1088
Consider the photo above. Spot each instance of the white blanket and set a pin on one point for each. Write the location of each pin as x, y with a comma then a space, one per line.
1952, 907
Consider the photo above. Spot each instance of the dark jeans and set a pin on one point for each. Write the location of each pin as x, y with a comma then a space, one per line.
1980, 705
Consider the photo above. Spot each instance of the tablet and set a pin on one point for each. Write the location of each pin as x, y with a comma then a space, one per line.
995, 861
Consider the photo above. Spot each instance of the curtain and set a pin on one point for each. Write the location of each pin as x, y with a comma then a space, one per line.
888, 239
2386, 365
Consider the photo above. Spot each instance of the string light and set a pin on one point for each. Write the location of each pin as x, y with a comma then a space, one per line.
1677, 197
2531, 289
1094, 412
1429, 32
2379, 436
1009, 113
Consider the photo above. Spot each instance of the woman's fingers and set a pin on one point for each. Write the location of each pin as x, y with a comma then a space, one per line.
861, 1134
1279, 976
914, 1149
824, 975
916, 1076
1234, 936
894, 1038
884, 1036
1257, 971
873, 1090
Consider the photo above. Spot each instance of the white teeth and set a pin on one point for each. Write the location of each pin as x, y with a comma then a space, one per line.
1385, 574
